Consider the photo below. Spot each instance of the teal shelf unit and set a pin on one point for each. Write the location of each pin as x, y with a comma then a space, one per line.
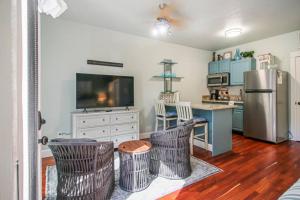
176, 78
167, 76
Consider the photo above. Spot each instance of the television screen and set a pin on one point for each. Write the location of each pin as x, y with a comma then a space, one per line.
99, 91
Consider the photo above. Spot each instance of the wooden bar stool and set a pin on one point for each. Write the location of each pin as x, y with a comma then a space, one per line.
184, 113
162, 115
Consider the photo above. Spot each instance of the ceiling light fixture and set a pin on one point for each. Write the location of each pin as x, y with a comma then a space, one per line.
234, 32
161, 27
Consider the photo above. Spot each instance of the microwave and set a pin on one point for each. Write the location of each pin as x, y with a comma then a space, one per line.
220, 79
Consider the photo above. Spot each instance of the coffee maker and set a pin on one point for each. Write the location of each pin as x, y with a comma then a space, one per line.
219, 94
214, 94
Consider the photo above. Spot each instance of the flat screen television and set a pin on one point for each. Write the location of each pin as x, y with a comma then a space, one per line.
100, 91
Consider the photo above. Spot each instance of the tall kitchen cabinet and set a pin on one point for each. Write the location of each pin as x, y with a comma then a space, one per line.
295, 95
237, 69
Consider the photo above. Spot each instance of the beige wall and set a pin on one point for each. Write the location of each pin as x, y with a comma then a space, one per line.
67, 45
7, 103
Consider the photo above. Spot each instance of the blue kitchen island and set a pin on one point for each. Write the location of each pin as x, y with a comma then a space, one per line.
219, 119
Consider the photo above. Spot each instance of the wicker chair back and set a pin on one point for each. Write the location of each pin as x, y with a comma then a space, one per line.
85, 169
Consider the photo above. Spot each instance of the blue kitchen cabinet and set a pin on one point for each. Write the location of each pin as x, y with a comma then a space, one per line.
224, 66
238, 119
213, 67
237, 69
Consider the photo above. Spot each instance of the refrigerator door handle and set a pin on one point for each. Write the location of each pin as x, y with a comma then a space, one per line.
258, 91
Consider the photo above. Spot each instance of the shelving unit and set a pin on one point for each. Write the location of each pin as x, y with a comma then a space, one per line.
168, 75
176, 78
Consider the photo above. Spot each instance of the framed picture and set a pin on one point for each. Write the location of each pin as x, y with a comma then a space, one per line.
227, 55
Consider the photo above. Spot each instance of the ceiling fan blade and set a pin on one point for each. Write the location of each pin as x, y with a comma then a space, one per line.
166, 10
175, 22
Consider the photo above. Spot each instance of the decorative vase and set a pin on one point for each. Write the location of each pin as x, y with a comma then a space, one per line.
237, 55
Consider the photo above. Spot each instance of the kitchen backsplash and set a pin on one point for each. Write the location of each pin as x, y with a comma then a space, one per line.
235, 90
231, 98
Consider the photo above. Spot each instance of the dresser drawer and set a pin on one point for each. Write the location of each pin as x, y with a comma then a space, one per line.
103, 139
123, 129
85, 122
94, 132
123, 138
124, 118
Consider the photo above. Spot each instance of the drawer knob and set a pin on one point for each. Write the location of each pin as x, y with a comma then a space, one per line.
117, 129
83, 133
103, 131
132, 127
103, 120
83, 121
131, 117
116, 118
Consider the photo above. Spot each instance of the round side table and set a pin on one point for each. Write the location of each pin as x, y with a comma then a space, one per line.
134, 165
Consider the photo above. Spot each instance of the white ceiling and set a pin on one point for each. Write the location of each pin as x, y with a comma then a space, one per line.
205, 20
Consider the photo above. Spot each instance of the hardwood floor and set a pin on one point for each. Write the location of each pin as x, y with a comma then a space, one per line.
253, 170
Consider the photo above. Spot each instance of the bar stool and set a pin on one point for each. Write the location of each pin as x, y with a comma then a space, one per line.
162, 115
184, 113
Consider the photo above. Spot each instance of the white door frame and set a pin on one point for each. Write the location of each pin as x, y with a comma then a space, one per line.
31, 101
294, 91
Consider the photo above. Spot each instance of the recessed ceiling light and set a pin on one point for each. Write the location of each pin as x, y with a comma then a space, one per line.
234, 32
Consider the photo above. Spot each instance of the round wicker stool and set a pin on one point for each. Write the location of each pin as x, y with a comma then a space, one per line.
134, 165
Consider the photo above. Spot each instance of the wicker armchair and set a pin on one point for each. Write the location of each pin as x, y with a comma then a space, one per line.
85, 168
170, 153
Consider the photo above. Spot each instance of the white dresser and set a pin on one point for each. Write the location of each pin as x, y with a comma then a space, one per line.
117, 126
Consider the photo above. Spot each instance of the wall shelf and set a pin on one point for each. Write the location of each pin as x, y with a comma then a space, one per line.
167, 77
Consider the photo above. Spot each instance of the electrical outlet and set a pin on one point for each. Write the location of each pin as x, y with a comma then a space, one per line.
64, 135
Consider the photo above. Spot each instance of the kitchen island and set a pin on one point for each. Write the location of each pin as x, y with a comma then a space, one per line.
219, 119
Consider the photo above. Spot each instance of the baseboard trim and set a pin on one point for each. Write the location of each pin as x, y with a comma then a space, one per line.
201, 145
46, 153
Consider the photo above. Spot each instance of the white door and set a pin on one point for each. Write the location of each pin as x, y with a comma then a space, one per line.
295, 95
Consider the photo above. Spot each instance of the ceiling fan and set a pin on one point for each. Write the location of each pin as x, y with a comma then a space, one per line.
167, 18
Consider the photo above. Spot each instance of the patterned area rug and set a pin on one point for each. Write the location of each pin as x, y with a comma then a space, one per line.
159, 187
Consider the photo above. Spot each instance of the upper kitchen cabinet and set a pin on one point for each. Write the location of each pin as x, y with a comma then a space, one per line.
224, 66
213, 67
219, 66
237, 69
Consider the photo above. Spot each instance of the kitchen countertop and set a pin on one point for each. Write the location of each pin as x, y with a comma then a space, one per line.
221, 101
207, 106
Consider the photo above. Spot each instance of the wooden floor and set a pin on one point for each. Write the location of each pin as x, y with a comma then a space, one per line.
253, 170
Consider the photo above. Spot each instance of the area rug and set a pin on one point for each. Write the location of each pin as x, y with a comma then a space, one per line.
159, 187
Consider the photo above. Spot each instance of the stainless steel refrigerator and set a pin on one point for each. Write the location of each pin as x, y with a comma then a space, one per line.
266, 105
